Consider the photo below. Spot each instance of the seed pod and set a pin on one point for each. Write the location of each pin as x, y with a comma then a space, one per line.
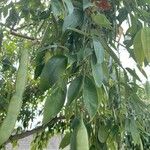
82, 142
15, 104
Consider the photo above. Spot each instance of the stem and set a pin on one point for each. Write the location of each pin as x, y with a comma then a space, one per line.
22, 36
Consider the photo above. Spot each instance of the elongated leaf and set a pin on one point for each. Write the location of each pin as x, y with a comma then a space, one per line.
147, 89
74, 89
99, 50
52, 71
54, 104
65, 141
73, 20
111, 52
78, 31
87, 4
101, 20
134, 131
133, 73
90, 97
102, 133
74, 126
69, 6
57, 7
138, 48
39, 64
145, 37
97, 72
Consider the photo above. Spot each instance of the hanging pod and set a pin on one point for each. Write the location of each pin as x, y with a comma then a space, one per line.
82, 137
15, 104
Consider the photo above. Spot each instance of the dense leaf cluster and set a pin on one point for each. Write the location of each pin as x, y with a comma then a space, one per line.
75, 72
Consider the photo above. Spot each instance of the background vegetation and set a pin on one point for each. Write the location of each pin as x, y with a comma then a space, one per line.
74, 79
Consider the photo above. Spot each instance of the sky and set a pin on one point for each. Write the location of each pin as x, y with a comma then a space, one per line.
127, 61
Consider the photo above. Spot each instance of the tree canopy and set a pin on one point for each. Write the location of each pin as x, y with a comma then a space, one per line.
61, 72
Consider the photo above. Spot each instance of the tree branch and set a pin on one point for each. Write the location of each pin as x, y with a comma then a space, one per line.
31, 132
22, 36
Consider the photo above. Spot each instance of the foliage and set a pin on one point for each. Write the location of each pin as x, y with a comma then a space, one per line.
76, 80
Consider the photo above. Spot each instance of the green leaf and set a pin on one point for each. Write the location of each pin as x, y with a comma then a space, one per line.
73, 140
133, 73
78, 31
52, 71
39, 64
134, 131
1, 38
147, 89
74, 125
145, 38
99, 50
103, 133
65, 141
138, 48
57, 7
97, 72
101, 20
74, 89
123, 14
87, 4
69, 6
73, 20
90, 97
54, 104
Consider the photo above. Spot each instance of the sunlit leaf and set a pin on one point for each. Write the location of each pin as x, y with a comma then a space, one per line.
101, 20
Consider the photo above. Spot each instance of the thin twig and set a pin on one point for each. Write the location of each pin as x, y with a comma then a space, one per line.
22, 36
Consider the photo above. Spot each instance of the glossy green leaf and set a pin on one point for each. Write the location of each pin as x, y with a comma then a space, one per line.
99, 50
52, 71
65, 141
90, 96
53, 104
101, 20
74, 89
72, 20
97, 72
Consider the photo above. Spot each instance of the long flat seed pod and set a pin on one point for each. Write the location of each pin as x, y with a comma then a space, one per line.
15, 104
82, 142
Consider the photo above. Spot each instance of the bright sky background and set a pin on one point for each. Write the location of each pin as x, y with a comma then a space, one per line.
129, 62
